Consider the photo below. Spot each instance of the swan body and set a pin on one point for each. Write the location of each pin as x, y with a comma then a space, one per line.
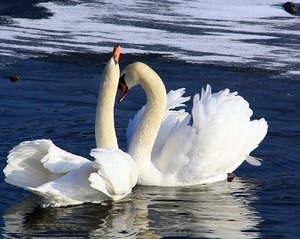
170, 150
60, 178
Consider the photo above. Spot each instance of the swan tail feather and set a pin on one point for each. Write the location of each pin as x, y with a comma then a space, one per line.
254, 160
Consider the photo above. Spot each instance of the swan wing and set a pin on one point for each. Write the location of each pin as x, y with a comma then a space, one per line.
117, 172
71, 188
174, 119
224, 135
33, 163
171, 154
175, 100
133, 124
172, 143
58, 160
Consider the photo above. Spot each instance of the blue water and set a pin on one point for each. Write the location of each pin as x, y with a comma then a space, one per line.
60, 68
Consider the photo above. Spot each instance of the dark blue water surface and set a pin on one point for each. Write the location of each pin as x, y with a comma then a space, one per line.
56, 96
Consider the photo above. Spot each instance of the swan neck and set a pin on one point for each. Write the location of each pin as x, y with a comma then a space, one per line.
104, 124
144, 137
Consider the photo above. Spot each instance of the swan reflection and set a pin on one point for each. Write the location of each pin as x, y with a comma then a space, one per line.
217, 210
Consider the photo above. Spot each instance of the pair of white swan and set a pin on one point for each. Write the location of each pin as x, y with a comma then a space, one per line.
167, 149
60, 178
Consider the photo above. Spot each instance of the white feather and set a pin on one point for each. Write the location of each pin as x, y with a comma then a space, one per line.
60, 178
117, 172
217, 141
31, 163
110, 177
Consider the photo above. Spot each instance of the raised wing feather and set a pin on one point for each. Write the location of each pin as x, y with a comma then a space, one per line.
175, 100
171, 155
61, 161
31, 163
224, 135
219, 140
172, 143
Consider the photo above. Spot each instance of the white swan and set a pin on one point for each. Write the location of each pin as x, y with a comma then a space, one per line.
171, 151
60, 178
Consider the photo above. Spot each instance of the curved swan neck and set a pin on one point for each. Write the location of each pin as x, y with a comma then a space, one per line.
104, 125
144, 137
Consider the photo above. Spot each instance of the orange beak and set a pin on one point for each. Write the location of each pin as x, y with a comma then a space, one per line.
116, 53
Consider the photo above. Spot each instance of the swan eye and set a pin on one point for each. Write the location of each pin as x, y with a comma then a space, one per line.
123, 87
122, 80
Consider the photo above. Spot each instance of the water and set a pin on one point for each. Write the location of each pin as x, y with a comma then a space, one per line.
59, 49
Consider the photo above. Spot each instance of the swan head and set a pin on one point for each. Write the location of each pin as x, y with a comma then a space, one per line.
116, 53
131, 76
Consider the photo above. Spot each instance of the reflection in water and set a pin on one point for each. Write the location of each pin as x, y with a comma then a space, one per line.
216, 210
